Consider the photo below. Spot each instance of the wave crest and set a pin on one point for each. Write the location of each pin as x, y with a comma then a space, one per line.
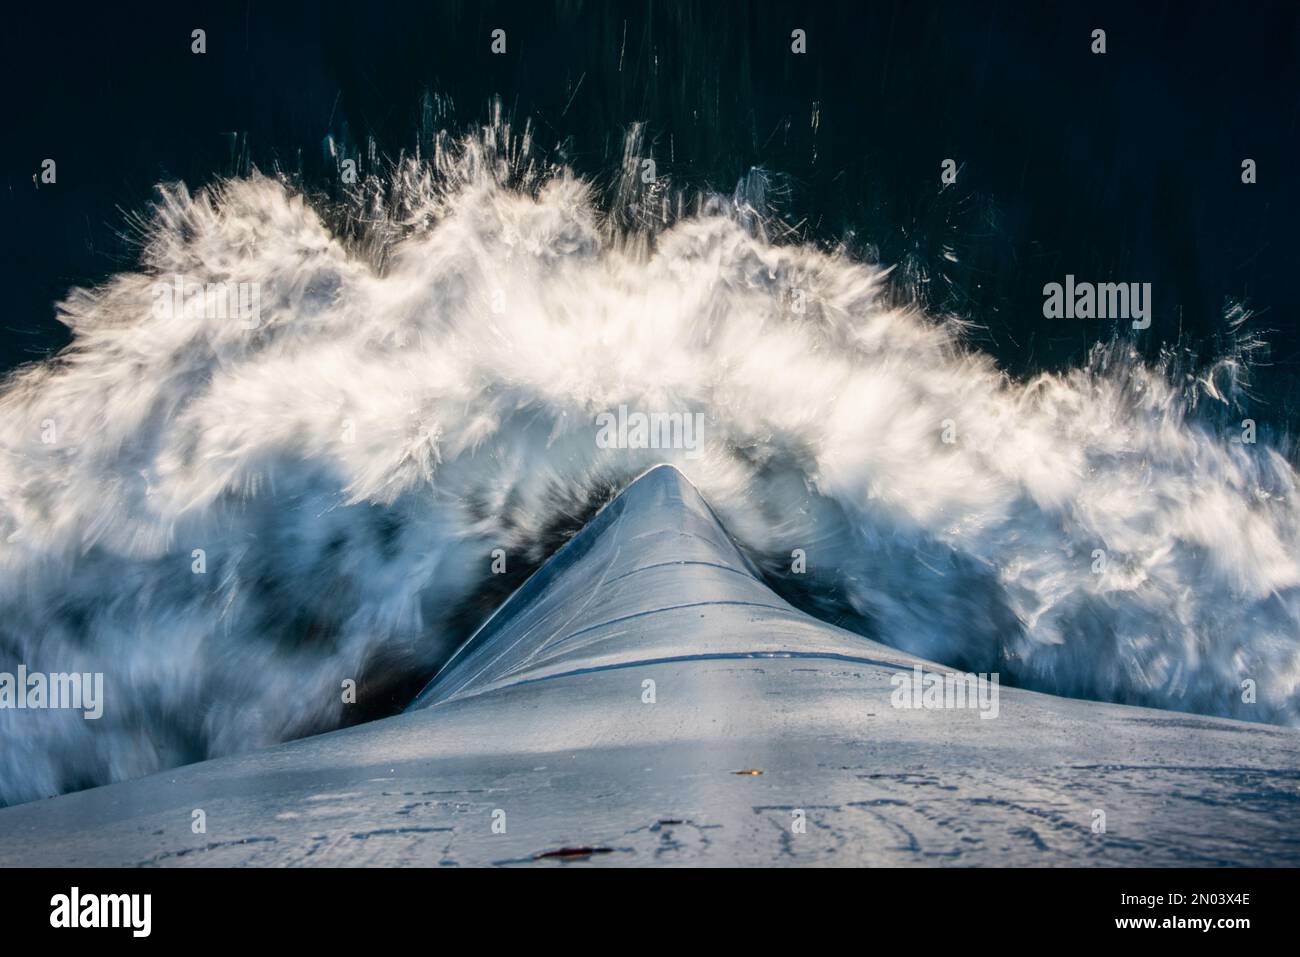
422, 386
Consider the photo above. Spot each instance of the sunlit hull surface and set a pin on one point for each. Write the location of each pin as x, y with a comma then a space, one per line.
646, 699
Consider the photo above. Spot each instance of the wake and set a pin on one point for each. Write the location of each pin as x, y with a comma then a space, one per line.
422, 387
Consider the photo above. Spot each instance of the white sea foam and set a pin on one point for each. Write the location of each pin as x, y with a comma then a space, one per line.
427, 390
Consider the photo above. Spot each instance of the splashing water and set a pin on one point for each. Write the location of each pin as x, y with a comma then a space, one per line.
422, 388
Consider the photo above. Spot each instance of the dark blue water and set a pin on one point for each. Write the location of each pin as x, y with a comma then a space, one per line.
1121, 167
